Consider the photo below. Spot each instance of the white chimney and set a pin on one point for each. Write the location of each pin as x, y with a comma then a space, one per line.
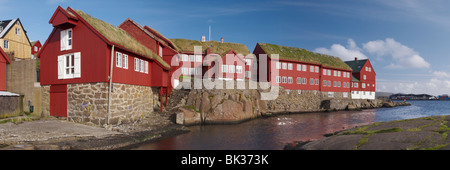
221, 40
203, 38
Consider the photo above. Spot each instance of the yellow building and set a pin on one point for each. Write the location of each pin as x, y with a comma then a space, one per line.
14, 39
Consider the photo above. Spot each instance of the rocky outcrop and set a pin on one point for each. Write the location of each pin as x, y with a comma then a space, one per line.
202, 106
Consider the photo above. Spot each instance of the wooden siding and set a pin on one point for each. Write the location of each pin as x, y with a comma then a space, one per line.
19, 44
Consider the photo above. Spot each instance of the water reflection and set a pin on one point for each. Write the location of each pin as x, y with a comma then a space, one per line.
264, 134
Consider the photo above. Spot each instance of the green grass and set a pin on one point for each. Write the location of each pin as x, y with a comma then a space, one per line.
299, 54
215, 46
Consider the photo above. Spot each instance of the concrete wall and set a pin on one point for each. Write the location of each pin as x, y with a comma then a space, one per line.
21, 79
10, 106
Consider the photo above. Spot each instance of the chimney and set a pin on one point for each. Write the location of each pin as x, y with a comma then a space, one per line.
221, 39
208, 51
203, 38
356, 58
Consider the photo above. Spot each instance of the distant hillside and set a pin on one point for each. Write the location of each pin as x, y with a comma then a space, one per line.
379, 94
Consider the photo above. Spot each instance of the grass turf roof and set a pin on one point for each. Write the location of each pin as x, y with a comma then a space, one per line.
299, 54
215, 46
120, 37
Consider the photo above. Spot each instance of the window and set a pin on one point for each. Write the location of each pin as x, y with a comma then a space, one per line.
356, 85
142, 66
345, 94
329, 72
248, 74
69, 66
304, 80
198, 71
334, 84
248, 62
311, 81
329, 83
191, 58
370, 69
339, 73
118, 59
136, 64
5, 44
363, 85
184, 71
289, 66
317, 81
344, 84
311, 68
339, 84
330, 94
364, 77
146, 66
278, 65
125, 61
334, 73
290, 80
66, 39
284, 80
284, 66
324, 72
299, 80
35, 48
198, 58
324, 83
317, 69
303, 67
160, 51
238, 69
367, 68
278, 79
299, 67
224, 68
184, 57
17, 31
231, 68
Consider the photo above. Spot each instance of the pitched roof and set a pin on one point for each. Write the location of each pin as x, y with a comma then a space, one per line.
299, 54
356, 65
2, 53
4, 27
355, 79
214, 46
119, 36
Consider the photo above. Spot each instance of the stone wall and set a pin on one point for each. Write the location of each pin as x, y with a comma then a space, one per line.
45, 101
88, 103
10, 106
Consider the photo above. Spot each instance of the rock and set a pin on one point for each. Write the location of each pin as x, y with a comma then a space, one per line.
351, 106
190, 116
216, 100
179, 118
206, 104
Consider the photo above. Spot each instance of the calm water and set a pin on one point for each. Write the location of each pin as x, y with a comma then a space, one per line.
273, 133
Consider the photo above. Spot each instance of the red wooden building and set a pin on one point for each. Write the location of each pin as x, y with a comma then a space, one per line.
364, 81
299, 69
83, 51
35, 47
3, 61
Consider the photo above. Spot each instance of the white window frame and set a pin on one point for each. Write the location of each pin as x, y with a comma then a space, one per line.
317, 81
146, 66
284, 79
324, 72
278, 65
356, 85
119, 59
324, 83
5, 44
248, 62
290, 66
184, 57
299, 67
311, 81
278, 79
17, 31
364, 77
160, 51
239, 69
304, 67
304, 80
248, 74
299, 80
311, 69
198, 58
231, 68
317, 69
142, 67
136, 64
66, 41
329, 83
363, 85
284, 66
69, 62
290, 80
339, 73
329, 72
125, 61
224, 68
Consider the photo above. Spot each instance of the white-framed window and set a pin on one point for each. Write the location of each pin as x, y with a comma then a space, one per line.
370, 69
317, 69
364, 77
136, 64
141, 65
278, 79
118, 59
248, 62
345, 94
311, 69
224, 68
299, 80
339, 84
303, 67
284, 79
69, 66
17, 31
191, 58
290, 80
231, 68
184, 71
324, 72
329, 83
363, 85
299, 67
146, 66
160, 51
311, 81
5, 44
66, 39
317, 81
344, 84
125, 61
278, 65
184, 57
284, 66
248, 74
367, 68
198, 58
238, 69
339, 73
329, 72
324, 83
356, 85
331, 94
334, 73
304, 80
36, 48
334, 84
290, 66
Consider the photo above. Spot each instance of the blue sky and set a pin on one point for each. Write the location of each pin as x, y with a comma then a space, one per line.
407, 41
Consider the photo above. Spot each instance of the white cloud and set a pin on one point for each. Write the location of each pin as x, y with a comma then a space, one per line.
403, 56
345, 53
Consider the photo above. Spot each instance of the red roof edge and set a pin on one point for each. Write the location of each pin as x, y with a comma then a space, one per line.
2, 53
